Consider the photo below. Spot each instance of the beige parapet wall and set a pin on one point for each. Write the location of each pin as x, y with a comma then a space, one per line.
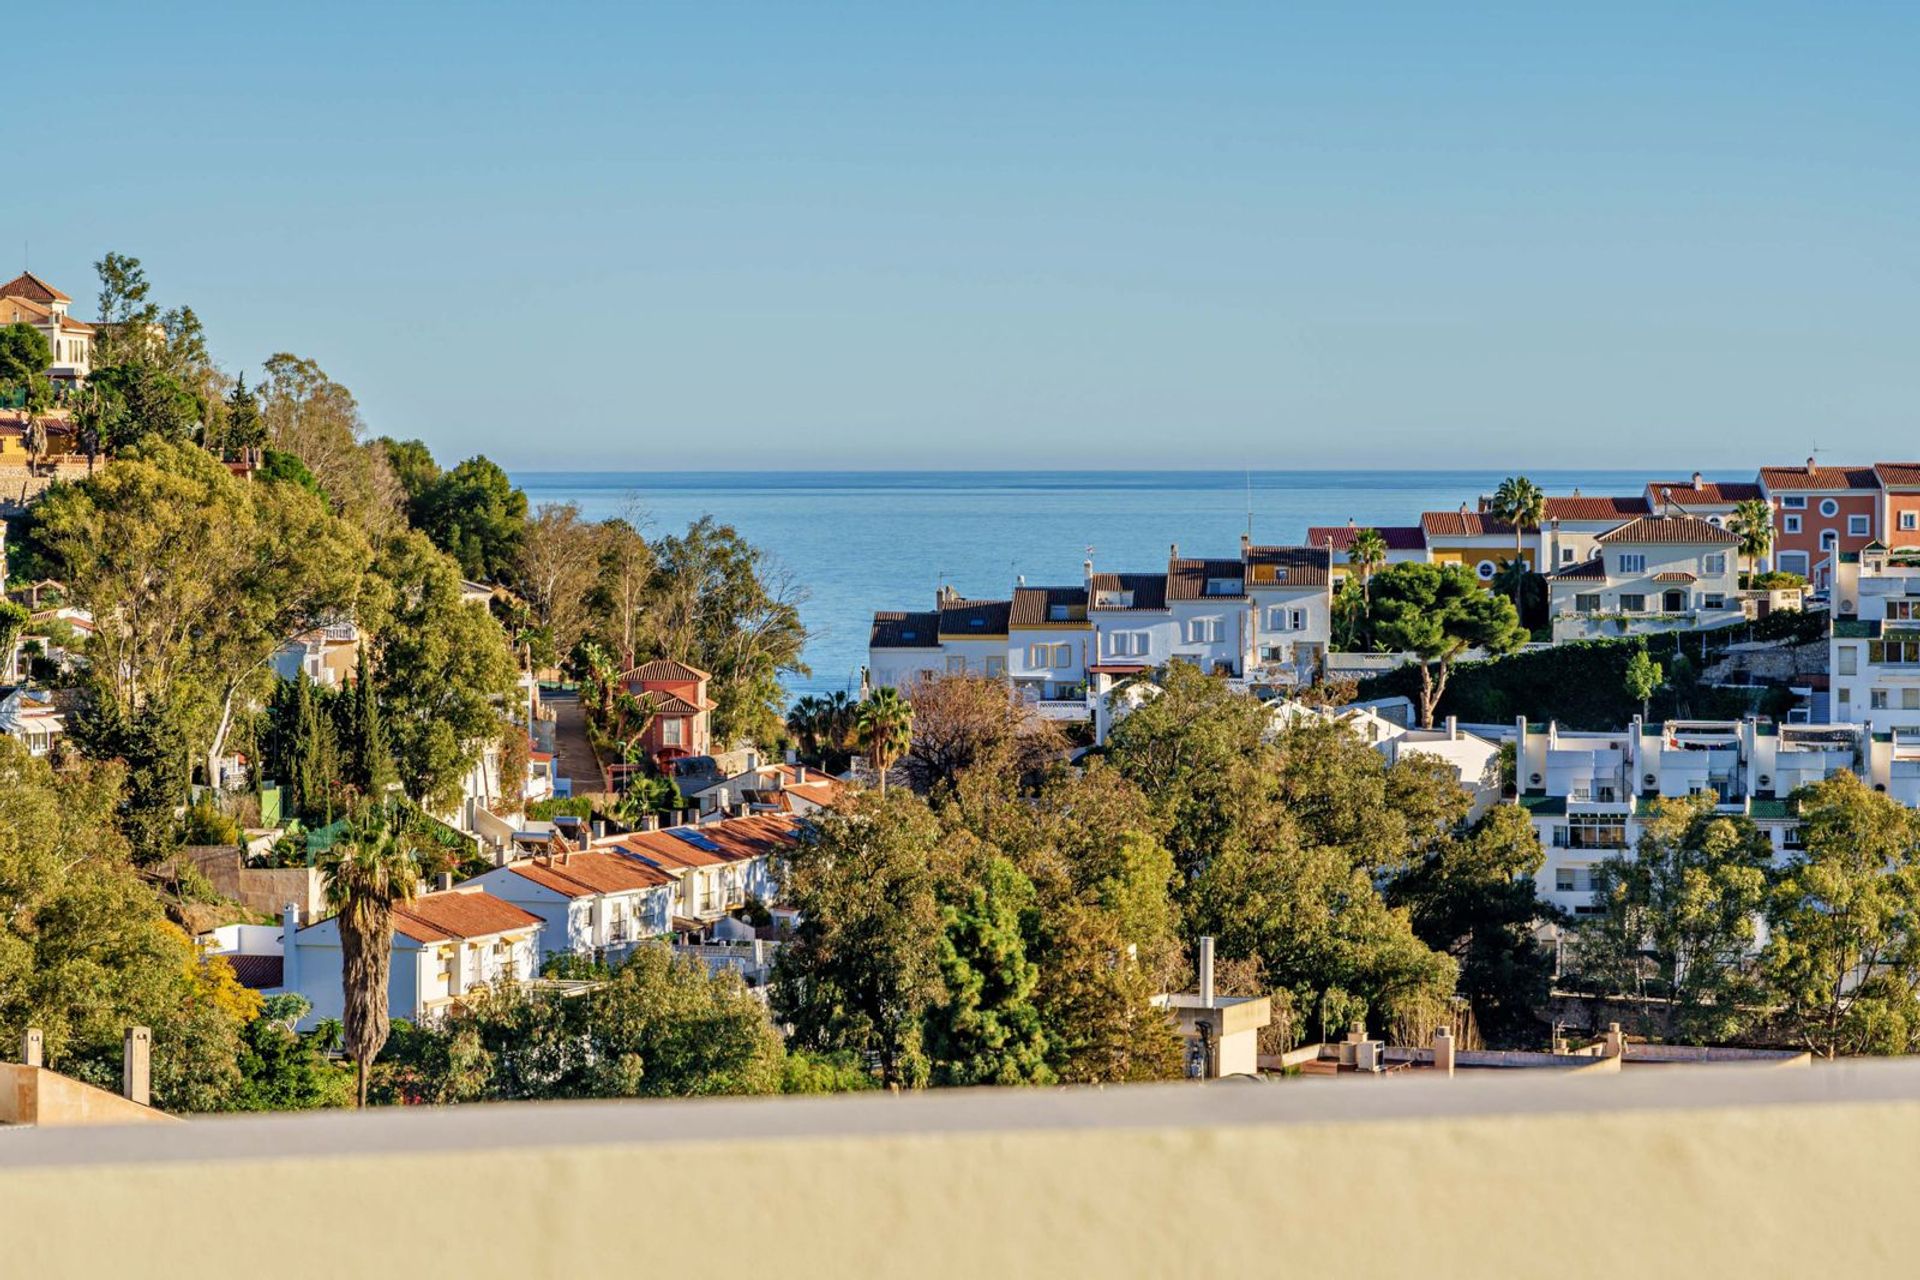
37, 1096
1700, 1172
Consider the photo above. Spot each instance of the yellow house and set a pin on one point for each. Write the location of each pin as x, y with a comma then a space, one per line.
1473, 539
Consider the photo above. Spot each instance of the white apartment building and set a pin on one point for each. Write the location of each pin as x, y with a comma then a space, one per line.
1874, 652
1265, 615
1655, 573
590, 902
1589, 792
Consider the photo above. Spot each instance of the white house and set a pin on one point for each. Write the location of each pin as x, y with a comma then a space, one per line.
716, 866
779, 788
1050, 644
1874, 650
31, 718
1570, 527
1133, 624
1656, 573
1212, 618
445, 946
590, 902
1290, 597
1405, 544
27, 299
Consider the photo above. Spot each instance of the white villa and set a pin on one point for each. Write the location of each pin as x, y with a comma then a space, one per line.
27, 299
1654, 573
590, 902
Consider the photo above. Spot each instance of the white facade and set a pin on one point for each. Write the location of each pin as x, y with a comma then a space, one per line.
1874, 651
1658, 573
577, 919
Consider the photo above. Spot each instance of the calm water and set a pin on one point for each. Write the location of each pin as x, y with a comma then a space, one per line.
862, 541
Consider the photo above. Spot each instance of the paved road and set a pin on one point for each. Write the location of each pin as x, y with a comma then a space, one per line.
573, 754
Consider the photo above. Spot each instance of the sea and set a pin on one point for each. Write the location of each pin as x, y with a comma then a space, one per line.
865, 540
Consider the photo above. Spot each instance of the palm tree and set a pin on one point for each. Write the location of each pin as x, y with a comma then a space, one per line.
367, 876
1519, 502
805, 721
1752, 520
884, 727
1367, 552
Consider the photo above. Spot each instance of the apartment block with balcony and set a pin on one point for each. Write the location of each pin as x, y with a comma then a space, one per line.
1874, 650
1817, 511
1655, 573
1589, 793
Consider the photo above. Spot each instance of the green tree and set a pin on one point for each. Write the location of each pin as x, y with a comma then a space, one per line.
1644, 677
244, 428
366, 877
1367, 553
412, 463
1677, 921
1437, 612
885, 728
127, 315
1843, 944
369, 762
719, 604
1752, 523
24, 360
441, 667
13, 622
1472, 898
474, 514
1519, 502
306, 413
87, 951
988, 1030
862, 971
282, 1070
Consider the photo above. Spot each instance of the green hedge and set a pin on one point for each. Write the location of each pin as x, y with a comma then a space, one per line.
1583, 684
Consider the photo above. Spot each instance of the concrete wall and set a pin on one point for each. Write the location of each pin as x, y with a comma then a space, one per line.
262, 889
37, 1096
1696, 1172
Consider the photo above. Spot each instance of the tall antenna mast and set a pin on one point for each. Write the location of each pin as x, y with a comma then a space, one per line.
1249, 503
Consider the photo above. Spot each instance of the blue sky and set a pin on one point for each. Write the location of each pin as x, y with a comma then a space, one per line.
984, 235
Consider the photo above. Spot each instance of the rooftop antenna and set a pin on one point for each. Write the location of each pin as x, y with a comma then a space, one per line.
1249, 504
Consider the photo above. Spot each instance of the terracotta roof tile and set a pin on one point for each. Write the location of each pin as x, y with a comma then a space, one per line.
1188, 579
1287, 566
1707, 491
580, 875
1462, 524
1668, 529
1674, 575
661, 669
1817, 479
261, 973
1902, 474
459, 913
672, 704
30, 286
1036, 606
1399, 537
1149, 591
1577, 508
1586, 570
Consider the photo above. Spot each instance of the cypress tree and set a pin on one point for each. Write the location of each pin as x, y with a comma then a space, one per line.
368, 758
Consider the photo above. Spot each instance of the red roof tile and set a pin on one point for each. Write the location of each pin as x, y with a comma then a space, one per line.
1817, 479
1578, 508
1287, 566
1712, 492
459, 913
1669, 529
664, 669
580, 875
1462, 524
30, 286
1188, 579
1902, 474
1399, 537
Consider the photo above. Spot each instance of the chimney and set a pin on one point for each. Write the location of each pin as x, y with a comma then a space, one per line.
289, 953
1810, 467
649, 822
33, 1047
1246, 544
1206, 971
1443, 1050
1698, 481
1613, 1044
799, 775
1019, 579
1351, 524
443, 882
743, 810
793, 757
1086, 569
1453, 728
136, 1067
599, 828
1173, 551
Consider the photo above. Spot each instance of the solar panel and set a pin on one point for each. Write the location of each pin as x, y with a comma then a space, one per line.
694, 838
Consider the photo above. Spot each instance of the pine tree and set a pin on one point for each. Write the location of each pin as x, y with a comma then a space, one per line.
989, 1030
369, 763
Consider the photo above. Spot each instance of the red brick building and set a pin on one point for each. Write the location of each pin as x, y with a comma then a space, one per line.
677, 695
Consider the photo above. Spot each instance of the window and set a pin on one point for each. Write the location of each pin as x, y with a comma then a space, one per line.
1127, 644
1279, 618
1566, 555
1849, 660
1793, 504
1877, 700
1857, 526
1714, 521
1563, 879
1633, 562
1297, 620
1203, 631
996, 666
956, 666
673, 732
1910, 519
1059, 613
1829, 539
1791, 524
1829, 508
1714, 600
1713, 564
1223, 586
1588, 602
1846, 698
1910, 699
1900, 610
1044, 657
1633, 604
1486, 569
1794, 562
